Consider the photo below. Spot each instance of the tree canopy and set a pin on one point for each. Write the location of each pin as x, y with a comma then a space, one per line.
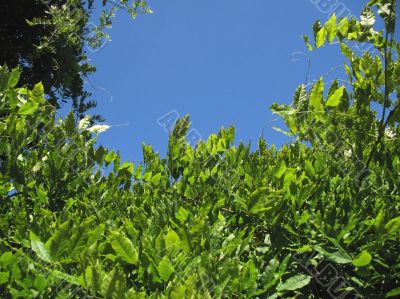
49, 39
316, 218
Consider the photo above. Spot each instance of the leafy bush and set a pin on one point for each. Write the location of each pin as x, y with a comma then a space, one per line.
317, 218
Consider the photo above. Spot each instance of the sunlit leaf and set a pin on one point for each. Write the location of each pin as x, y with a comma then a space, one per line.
4, 277
280, 169
295, 282
38, 247
338, 257
331, 28
316, 99
172, 241
28, 108
343, 26
14, 77
38, 93
393, 293
123, 247
155, 179
393, 226
367, 18
321, 36
363, 259
334, 99
308, 45
165, 269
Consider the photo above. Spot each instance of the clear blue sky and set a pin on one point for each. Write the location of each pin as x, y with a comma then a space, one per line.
224, 62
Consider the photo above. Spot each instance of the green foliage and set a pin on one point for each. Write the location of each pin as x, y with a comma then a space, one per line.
213, 220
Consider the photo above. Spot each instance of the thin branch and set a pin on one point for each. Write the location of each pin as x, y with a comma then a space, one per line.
383, 123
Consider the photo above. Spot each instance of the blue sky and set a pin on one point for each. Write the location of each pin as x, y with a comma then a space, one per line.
224, 62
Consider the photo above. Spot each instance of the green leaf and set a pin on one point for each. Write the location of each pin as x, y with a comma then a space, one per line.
316, 28
294, 283
284, 264
70, 123
270, 271
123, 247
172, 240
316, 98
4, 75
4, 276
30, 23
14, 77
178, 292
348, 72
165, 268
28, 108
334, 99
110, 157
373, 2
306, 41
221, 145
80, 238
38, 93
181, 127
393, 226
12, 97
339, 257
377, 222
258, 199
113, 284
291, 124
331, 28
7, 259
320, 38
346, 51
38, 247
282, 131
249, 276
343, 26
280, 169
393, 293
57, 244
95, 234
147, 176
363, 259
155, 179
182, 215
40, 282
75, 280
129, 167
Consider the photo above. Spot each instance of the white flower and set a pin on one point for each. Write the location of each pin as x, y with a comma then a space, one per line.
84, 122
347, 153
36, 167
390, 133
46, 157
98, 128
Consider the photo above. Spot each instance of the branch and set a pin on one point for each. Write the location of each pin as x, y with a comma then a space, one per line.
383, 123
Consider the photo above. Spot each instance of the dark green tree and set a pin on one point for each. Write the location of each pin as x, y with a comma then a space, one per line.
48, 40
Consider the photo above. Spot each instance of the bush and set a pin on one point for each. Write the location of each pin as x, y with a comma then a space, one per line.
317, 218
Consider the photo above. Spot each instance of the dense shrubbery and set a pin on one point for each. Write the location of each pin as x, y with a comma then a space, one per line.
215, 220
